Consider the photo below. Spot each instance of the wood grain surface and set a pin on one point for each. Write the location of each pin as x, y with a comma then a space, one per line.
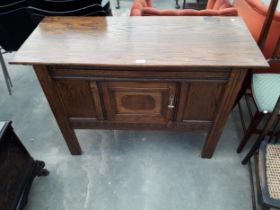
142, 41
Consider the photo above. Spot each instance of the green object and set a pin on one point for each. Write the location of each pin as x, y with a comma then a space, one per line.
266, 90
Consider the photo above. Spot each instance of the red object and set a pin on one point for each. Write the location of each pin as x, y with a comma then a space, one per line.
214, 8
253, 13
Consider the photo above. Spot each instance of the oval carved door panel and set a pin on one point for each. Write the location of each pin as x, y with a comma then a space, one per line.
139, 101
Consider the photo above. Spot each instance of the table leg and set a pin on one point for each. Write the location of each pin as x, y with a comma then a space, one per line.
235, 82
58, 110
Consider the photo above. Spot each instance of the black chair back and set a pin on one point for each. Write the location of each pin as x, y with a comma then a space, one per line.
15, 27
93, 10
6, 6
18, 20
6, 2
61, 5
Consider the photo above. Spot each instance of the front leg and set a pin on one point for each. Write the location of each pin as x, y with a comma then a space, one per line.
58, 110
234, 84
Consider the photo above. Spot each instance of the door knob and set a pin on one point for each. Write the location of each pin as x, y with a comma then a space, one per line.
171, 102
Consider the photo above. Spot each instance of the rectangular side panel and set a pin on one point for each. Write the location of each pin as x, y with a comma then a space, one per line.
80, 98
200, 100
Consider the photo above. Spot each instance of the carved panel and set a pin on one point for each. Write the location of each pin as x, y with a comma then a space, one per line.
143, 102
138, 101
199, 101
80, 98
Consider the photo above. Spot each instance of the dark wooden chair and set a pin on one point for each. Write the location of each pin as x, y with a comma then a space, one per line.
265, 90
268, 169
263, 104
267, 153
273, 121
266, 182
274, 61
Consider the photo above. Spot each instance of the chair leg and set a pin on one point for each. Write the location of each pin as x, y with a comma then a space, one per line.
248, 106
277, 135
242, 118
177, 4
253, 190
272, 119
118, 4
253, 125
265, 208
6, 74
184, 4
274, 132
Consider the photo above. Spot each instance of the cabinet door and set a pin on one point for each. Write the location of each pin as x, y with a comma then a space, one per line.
80, 98
199, 101
139, 102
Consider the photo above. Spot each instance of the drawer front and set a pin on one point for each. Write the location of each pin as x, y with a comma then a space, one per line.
146, 102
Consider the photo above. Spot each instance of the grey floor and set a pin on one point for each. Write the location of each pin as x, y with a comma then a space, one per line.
123, 170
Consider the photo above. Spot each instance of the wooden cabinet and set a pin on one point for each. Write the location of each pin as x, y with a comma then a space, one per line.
189, 100
141, 73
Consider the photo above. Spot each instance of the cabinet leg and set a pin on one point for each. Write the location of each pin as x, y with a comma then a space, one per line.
235, 81
58, 110
69, 137
40, 169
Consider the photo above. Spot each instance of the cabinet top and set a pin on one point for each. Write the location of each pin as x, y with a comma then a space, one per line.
198, 41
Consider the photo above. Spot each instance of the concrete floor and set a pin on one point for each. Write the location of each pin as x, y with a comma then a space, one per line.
123, 170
